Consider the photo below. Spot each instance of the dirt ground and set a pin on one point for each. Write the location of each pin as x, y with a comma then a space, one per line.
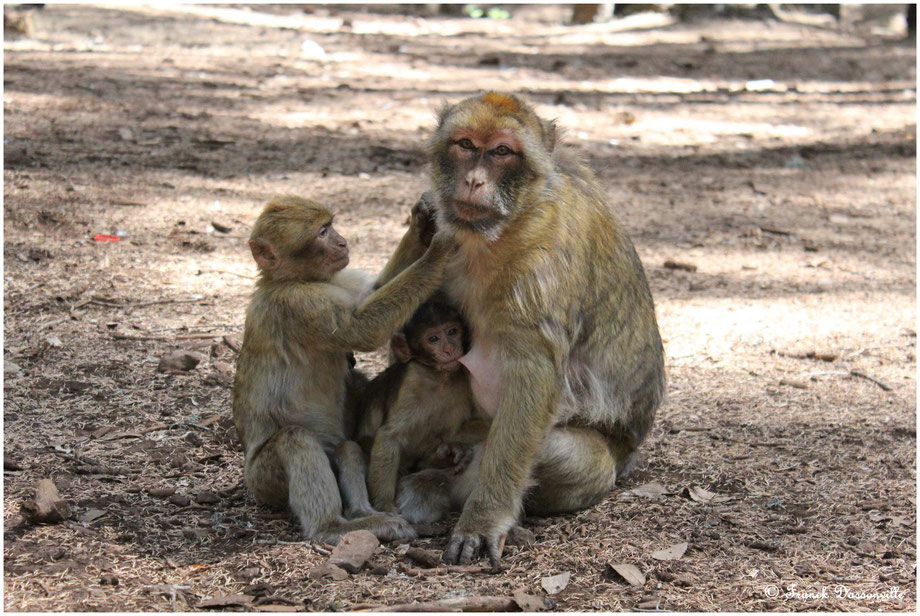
785, 456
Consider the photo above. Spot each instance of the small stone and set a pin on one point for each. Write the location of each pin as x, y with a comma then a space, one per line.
48, 507
108, 580
353, 550
520, 537
10, 463
194, 534
11, 368
180, 361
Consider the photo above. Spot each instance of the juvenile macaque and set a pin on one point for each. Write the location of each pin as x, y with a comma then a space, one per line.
414, 411
565, 354
295, 389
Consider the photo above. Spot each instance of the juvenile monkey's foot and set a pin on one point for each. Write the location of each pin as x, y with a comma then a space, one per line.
392, 528
360, 511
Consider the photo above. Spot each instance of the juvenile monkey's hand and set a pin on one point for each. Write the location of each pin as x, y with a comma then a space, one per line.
422, 219
443, 246
474, 532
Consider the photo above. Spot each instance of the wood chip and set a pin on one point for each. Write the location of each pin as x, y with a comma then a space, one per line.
226, 601
455, 604
556, 583
426, 558
678, 265
234, 342
207, 421
327, 569
164, 492
628, 572
792, 383
673, 552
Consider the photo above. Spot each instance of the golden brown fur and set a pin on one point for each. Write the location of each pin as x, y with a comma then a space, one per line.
413, 412
566, 353
294, 388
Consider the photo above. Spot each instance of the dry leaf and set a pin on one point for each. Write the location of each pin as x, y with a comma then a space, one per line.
670, 553
528, 603
700, 495
628, 572
652, 489
556, 583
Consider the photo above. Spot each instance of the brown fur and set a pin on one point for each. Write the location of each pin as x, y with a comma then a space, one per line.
294, 387
566, 351
415, 408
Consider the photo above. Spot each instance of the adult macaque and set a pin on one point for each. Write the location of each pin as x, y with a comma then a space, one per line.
566, 353
414, 411
294, 383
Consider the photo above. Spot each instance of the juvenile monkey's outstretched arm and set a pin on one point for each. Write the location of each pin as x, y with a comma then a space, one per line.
414, 243
371, 324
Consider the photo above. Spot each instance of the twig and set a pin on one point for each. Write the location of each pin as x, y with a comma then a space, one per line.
455, 604
77, 459
422, 572
187, 327
776, 231
225, 272
114, 304
884, 386
118, 336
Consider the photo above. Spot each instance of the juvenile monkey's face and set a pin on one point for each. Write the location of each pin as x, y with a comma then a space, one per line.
444, 345
334, 249
324, 253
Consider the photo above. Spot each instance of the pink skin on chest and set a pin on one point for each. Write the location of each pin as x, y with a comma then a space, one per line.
485, 376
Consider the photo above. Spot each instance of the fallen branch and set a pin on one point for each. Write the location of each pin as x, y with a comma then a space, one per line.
108, 303
118, 336
443, 570
861, 375
455, 604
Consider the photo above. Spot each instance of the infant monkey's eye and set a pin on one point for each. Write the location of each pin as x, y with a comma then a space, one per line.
452, 331
432, 339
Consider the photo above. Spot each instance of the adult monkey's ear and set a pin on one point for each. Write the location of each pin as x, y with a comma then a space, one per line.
263, 254
400, 347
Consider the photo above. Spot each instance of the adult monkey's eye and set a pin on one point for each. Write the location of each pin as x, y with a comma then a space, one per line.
503, 150
323, 231
466, 144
